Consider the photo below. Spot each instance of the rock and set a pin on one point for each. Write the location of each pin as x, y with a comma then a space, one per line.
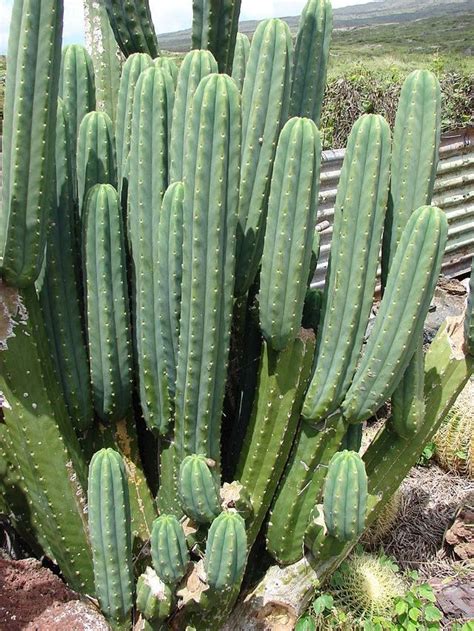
460, 536
75, 615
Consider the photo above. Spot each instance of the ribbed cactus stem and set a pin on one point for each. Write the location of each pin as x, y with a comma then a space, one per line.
110, 534
133, 27
311, 60
241, 56
33, 62
358, 222
154, 598
168, 549
108, 317
291, 222
345, 496
96, 160
226, 551
469, 319
196, 65
215, 25
212, 165
169, 65
60, 294
265, 101
148, 180
199, 489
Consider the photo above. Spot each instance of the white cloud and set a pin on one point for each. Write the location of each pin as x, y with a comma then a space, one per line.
168, 16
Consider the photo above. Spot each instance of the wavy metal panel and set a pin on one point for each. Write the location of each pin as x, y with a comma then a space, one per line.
454, 193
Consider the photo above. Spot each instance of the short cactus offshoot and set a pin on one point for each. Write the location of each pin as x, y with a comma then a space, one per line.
166, 331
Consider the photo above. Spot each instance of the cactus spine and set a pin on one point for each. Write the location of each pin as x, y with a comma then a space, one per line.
345, 496
199, 489
265, 100
226, 552
196, 65
111, 539
148, 181
168, 549
34, 56
108, 317
60, 288
215, 24
96, 163
311, 60
358, 222
241, 56
291, 218
208, 264
133, 27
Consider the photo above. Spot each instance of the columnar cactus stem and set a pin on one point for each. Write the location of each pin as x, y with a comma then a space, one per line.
168, 64
212, 165
44, 448
96, 162
108, 317
289, 237
265, 102
469, 320
148, 180
154, 598
132, 25
282, 381
132, 69
33, 62
168, 549
226, 552
357, 233
105, 54
215, 25
241, 56
60, 286
196, 65
311, 60
109, 530
199, 489
77, 90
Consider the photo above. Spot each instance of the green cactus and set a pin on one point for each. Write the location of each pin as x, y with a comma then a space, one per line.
226, 552
96, 162
265, 102
208, 265
312, 309
291, 218
469, 319
345, 496
168, 64
168, 549
108, 317
60, 293
196, 65
410, 285
34, 56
282, 381
133, 27
311, 60
241, 56
199, 489
132, 69
110, 535
76, 89
357, 233
154, 598
105, 55
215, 24
149, 141
315, 249
41, 441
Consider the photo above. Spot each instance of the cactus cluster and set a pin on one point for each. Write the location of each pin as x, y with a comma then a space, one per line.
158, 238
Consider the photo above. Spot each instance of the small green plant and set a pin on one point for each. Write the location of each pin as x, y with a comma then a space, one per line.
369, 593
427, 455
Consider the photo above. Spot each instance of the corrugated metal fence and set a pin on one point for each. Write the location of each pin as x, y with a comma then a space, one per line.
454, 193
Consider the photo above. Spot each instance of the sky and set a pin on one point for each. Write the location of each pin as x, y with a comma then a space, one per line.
168, 16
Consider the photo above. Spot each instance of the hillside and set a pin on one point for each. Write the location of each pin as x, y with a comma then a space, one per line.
369, 14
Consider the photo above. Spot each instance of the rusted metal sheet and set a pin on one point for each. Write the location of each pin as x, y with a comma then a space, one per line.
454, 193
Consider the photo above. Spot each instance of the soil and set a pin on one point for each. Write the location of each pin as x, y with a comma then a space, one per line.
32, 598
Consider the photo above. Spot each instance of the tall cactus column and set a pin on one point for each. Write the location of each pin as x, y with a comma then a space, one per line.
215, 25
211, 175
33, 62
